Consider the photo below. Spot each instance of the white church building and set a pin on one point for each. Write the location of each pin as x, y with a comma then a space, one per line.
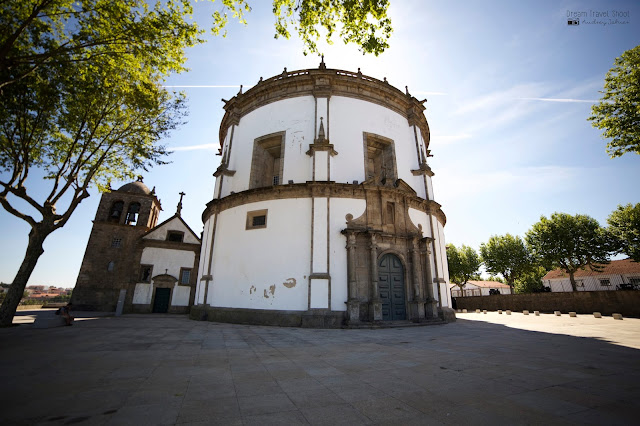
323, 212
323, 215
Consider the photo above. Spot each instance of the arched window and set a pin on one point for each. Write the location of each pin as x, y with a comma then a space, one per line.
132, 214
116, 211
110, 266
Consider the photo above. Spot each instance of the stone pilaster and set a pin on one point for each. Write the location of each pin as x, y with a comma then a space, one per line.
431, 304
353, 304
375, 311
417, 311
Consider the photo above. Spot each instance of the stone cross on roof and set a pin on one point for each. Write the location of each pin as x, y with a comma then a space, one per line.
179, 208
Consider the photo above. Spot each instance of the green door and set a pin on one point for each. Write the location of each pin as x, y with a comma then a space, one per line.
391, 288
161, 301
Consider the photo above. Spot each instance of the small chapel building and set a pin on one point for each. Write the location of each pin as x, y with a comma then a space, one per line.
132, 260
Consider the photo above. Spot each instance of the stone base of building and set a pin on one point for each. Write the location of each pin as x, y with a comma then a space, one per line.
148, 309
447, 314
315, 318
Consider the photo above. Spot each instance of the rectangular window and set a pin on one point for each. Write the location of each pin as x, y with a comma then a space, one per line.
185, 276
267, 162
256, 219
379, 159
605, 283
176, 236
634, 280
391, 213
145, 273
116, 242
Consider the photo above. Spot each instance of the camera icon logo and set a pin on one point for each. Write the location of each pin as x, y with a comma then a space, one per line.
573, 22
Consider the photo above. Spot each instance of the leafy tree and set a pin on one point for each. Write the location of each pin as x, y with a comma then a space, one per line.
496, 278
624, 227
364, 22
464, 264
618, 112
531, 280
569, 243
506, 255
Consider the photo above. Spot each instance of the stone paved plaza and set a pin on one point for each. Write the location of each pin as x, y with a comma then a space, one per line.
162, 369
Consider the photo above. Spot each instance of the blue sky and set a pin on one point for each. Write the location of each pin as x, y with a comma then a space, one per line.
509, 87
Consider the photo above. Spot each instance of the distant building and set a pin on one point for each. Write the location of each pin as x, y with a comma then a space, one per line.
617, 275
479, 288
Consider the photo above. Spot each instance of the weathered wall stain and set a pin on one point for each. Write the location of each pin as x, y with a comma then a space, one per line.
272, 289
252, 289
289, 283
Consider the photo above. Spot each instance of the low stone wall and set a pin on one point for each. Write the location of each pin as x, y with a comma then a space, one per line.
626, 303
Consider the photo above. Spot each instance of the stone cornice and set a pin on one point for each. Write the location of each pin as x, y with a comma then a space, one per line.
323, 82
322, 189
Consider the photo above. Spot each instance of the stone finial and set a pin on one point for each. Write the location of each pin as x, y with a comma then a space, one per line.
153, 191
240, 91
179, 207
359, 73
385, 80
322, 65
284, 73
260, 81
139, 178
406, 88
321, 136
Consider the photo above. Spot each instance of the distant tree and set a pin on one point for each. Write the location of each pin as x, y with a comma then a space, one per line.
464, 264
570, 243
506, 255
618, 112
531, 280
624, 228
496, 278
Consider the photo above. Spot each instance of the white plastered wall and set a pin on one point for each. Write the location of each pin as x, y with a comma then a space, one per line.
264, 268
168, 260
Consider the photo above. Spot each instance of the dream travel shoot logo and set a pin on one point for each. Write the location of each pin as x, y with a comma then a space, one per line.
598, 17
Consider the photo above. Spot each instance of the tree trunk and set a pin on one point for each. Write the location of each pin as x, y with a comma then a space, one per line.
16, 290
573, 282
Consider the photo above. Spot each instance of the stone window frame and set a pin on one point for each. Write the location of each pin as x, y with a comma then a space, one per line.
253, 214
180, 277
176, 233
605, 282
366, 137
141, 276
256, 163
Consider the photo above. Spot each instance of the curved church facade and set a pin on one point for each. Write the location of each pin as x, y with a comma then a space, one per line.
323, 212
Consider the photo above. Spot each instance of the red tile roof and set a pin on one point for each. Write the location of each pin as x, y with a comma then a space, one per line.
615, 267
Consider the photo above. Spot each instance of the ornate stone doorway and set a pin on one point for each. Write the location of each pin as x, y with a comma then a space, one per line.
391, 288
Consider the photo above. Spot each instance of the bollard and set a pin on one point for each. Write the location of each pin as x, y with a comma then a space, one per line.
484, 311
508, 312
597, 315
557, 313
500, 311
464, 311
525, 312
572, 314
477, 311
536, 313
617, 316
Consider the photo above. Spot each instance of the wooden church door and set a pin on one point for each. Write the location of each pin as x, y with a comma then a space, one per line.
391, 288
